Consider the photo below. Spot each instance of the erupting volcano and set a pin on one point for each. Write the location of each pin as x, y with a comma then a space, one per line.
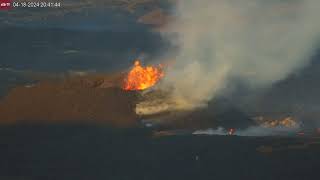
140, 78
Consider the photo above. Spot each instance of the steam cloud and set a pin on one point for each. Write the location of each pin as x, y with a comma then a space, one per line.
257, 42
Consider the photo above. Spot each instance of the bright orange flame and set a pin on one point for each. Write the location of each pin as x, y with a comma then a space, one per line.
140, 78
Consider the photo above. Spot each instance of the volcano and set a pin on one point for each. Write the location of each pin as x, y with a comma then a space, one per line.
101, 98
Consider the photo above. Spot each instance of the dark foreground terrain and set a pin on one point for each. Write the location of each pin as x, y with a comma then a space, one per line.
90, 152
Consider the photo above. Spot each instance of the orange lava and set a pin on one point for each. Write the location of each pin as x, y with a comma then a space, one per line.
231, 131
140, 78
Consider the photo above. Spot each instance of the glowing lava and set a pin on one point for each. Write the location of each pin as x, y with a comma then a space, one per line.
288, 122
140, 78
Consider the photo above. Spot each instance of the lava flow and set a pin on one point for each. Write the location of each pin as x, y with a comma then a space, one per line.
140, 78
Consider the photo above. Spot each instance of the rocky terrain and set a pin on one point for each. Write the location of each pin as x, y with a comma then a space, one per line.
104, 36
90, 99
100, 99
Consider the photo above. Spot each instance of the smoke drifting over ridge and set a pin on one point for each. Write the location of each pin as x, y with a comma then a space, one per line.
255, 41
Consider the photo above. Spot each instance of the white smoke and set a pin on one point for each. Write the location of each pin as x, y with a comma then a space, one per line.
219, 131
252, 131
257, 42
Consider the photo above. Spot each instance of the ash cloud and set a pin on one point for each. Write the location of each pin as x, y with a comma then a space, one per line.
256, 42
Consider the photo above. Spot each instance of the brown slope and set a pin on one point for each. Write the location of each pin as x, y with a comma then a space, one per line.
89, 99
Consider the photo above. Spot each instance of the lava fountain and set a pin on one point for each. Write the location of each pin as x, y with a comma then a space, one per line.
140, 78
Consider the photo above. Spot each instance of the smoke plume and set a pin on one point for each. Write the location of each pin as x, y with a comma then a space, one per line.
257, 42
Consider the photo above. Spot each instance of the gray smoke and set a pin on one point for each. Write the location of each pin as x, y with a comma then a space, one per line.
257, 42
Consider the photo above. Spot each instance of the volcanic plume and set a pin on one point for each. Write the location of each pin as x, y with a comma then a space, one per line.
252, 42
